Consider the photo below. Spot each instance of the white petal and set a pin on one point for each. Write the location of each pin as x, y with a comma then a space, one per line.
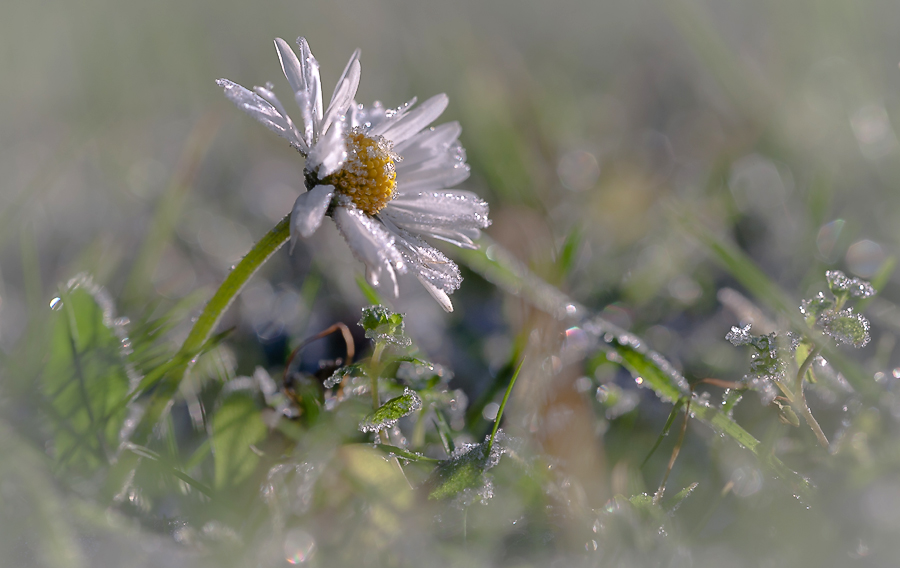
370, 243
343, 96
455, 216
261, 110
313, 83
425, 260
379, 119
273, 100
440, 172
309, 210
429, 142
416, 119
293, 71
329, 153
353, 59
442, 298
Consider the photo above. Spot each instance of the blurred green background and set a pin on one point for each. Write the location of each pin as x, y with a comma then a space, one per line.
614, 126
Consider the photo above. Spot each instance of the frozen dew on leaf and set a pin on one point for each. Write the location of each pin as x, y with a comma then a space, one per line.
846, 327
381, 324
383, 175
390, 412
814, 307
841, 284
767, 360
463, 476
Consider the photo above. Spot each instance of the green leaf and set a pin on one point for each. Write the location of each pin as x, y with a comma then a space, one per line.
847, 327
236, 426
462, 472
381, 324
391, 411
86, 377
651, 373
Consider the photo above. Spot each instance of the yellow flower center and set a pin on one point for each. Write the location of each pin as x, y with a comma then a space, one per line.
368, 176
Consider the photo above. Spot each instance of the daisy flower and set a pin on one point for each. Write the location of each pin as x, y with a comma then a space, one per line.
381, 174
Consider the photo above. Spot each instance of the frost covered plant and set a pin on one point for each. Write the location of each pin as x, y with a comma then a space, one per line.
767, 360
380, 174
778, 357
839, 322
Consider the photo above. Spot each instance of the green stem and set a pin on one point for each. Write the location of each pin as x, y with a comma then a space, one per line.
209, 318
374, 371
801, 399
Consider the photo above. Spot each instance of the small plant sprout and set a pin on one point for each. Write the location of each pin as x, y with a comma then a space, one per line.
777, 357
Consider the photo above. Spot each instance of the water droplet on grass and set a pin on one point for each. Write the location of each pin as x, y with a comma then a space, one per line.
56, 304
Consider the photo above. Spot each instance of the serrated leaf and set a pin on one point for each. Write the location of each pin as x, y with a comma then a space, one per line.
85, 378
847, 327
391, 411
236, 426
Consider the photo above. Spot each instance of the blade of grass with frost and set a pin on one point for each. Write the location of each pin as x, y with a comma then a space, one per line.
498, 266
761, 287
640, 366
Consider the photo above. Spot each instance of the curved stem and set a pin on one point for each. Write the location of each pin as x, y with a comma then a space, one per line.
234, 283
210, 316
801, 399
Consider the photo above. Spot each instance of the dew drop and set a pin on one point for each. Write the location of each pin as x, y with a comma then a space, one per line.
56, 304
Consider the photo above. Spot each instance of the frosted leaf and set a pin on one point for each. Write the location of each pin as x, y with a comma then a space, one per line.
390, 412
739, 335
815, 306
340, 374
381, 324
767, 361
840, 284
846, 327
463, 476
